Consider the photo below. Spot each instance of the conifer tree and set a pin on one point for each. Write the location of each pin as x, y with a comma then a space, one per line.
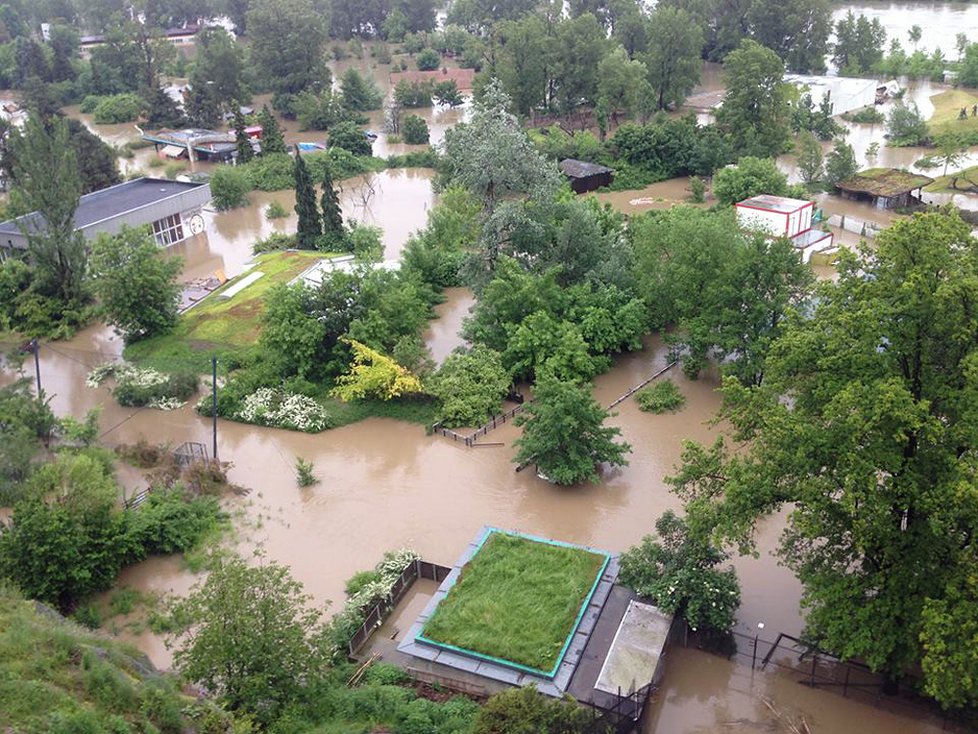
332, 215
241, 139
310, 227
272, 140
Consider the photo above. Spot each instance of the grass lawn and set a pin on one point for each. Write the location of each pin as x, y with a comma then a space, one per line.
517, 599
947, 107
965, 181
221, 326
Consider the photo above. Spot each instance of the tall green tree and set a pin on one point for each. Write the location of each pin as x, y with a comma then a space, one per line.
859, 44
750, 177
525, 62
581, 44
241, 140
673, 56
329, 203
272, 140
46, 180
840, 164
220, 66
874, 452
810, 159
287, 38
622, 84
251, 637
564, 433
310, 226
755, 111
796, 30
135, 284
359, 93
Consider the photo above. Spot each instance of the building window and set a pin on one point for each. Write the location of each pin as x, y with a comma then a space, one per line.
169, 230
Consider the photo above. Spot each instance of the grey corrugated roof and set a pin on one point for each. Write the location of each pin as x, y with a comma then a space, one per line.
581, 169
110, 202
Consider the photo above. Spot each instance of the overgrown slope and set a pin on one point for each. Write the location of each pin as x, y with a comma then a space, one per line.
56, 677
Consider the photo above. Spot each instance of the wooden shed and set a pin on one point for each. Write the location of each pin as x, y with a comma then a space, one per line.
584, 176
886, 188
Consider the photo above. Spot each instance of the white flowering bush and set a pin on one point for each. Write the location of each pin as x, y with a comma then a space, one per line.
139, 387
279, 409
680, 574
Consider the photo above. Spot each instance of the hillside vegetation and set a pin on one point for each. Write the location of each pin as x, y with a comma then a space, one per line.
57, 677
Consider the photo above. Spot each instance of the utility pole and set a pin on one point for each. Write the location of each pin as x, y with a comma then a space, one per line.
214, 400
35, 347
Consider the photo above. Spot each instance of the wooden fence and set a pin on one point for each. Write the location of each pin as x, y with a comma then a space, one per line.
494, 422
382, 607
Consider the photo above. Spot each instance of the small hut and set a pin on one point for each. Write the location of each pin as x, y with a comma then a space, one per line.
584, 176
885, 188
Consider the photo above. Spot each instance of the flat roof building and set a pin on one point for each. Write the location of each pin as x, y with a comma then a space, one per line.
780, 216
171, 208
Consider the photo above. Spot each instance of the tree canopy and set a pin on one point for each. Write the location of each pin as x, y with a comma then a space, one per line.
564, 433
865, 425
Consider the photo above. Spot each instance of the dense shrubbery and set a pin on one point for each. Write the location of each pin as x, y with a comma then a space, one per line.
118, 108
68, 538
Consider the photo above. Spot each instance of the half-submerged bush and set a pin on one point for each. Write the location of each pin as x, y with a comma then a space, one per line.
661, 397
138, 388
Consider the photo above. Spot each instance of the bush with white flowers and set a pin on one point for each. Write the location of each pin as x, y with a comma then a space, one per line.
267, 406
139, 387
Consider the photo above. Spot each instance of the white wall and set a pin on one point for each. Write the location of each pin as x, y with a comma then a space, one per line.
766, 221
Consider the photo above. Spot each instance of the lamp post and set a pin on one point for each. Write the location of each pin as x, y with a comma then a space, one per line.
760, 628
214, 401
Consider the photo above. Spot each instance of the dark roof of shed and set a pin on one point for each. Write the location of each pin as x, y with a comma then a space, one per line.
582, 169
111, 202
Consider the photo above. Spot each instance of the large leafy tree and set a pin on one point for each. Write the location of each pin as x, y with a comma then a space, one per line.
287, 38
251, 637
219, 66
673, 56
581, 44
66, 541
755, 111
797, 30
622, 84
525, 62
46, 180
564, 433
136, 285
750, 177
867, 425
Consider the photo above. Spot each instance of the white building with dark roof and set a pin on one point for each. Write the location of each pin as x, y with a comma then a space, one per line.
171, 208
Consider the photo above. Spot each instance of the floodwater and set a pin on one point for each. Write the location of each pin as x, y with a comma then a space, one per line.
939, 22
442, 336
705, 693
396, 200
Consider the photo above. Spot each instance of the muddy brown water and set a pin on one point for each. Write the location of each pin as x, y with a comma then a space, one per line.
939, 22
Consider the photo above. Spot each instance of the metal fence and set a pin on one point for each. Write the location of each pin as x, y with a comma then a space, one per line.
803, 663
382, 608
622, 717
